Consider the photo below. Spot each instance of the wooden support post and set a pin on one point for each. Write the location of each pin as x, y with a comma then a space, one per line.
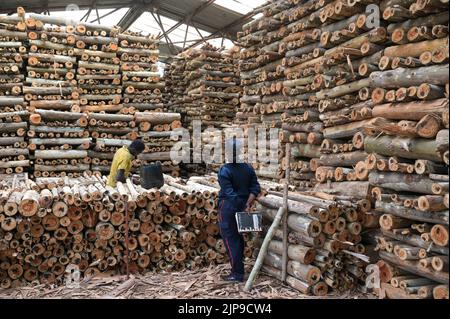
263, 251
285, 215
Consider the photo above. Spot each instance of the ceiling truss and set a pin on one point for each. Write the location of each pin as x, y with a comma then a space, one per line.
153, 6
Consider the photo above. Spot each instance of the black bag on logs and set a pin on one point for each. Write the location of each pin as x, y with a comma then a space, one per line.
152, 176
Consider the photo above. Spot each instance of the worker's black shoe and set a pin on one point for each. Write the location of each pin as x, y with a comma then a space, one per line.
232, 278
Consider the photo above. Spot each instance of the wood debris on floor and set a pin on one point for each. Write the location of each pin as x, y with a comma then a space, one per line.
202, 284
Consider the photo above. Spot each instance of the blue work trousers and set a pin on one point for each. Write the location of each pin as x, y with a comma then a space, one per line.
233, 240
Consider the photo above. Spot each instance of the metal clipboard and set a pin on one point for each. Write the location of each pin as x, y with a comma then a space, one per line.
249, 222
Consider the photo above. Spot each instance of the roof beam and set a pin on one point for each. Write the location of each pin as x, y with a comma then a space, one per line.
107, 14
173, 49
224, 29
131, 16
189, 17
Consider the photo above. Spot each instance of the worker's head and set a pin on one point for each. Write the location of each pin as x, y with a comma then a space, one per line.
136, 148
233, 151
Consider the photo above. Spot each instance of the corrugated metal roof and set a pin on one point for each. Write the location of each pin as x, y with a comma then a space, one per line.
212, 18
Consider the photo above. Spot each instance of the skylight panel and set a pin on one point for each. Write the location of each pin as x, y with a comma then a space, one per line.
240, 6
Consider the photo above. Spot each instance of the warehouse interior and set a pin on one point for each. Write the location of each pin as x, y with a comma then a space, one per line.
342, 109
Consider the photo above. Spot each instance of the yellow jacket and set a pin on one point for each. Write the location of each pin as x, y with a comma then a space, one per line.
122, 160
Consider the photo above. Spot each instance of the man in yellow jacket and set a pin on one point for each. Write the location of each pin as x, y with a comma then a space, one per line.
122, 162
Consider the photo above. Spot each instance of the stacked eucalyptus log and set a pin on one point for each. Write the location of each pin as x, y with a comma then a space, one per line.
260, 65
407, 139
213, 87
301, 125
142, 86
410, 95
159, 133
111, 132
176, 84
13, 115
264, 103
98, 71
53, 226
99, 81
58, 137
324, 53
324, 243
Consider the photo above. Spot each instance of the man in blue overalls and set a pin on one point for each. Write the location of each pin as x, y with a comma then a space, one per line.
239, 188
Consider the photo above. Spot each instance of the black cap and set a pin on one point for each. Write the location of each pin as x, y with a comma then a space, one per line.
137, 147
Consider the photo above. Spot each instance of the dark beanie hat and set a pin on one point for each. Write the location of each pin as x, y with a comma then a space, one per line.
138, 145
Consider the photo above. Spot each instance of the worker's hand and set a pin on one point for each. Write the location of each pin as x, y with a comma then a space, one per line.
250, 202
136, 179
121, 176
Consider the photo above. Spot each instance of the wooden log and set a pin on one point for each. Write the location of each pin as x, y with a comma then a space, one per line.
306, 273
354, 189
306, 150
299, 223
349, 130
412, 148
343, 89
302, 254
440, 217
157, 118
411, 110
12, 127
411, 266
415, 240
437, 75
402, 182
52, 154
343, 159
439, 235
414, 49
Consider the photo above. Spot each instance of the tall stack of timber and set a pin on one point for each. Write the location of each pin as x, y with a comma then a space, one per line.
213, 87
408, 148
176, 99
98, 72
52, 226
58, 136
324, 249
261, 71
158, 132
176, 84
99, 81
260, 63
14, 154
142, 86
302, 53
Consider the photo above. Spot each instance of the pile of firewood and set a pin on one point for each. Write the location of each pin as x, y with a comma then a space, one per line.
408, 147
140, 77
98, 71
58, 130
324, 241
176, 84
158, 131
213, 86
99, 81
261, 71
361, 98
56, 225
14, 154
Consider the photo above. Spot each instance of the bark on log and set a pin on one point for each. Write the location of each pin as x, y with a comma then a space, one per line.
412, 214
412, 148
436, 74
412, 266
